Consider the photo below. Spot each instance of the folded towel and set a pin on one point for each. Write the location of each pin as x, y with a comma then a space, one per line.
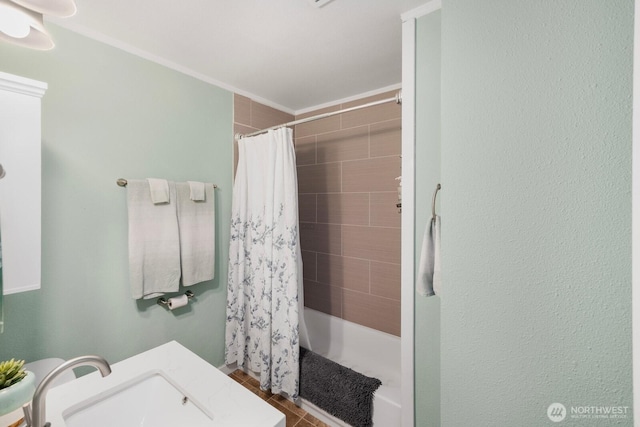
429, 281
196, 222
159, 189
154, 247
196, 191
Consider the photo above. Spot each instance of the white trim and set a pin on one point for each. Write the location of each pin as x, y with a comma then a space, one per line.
321, 414
16, 290
396, 86
102, 38
419, 11
408, 208
408, 220
22, 85
635, 220
110, 41
226, 369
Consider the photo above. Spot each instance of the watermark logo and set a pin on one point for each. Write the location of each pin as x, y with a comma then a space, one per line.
556, 412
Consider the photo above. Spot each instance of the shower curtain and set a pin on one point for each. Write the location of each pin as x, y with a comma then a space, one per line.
264, 291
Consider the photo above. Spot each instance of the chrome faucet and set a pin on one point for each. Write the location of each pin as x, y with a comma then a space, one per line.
36, 417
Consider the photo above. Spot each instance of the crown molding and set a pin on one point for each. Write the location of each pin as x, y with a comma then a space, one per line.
22, 85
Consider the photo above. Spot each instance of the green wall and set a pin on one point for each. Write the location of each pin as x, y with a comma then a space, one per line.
536, 206
108, 114
427, 157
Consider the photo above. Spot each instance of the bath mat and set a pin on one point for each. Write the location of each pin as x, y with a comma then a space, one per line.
342, 392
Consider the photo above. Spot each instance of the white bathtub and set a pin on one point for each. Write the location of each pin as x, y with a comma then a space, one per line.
368, 351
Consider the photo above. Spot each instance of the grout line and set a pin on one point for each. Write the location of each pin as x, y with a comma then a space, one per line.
370, 294
352, 160
351, 192
351, 257
369, 281
350, 127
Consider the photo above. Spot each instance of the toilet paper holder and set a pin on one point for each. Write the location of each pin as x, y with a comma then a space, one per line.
163, 301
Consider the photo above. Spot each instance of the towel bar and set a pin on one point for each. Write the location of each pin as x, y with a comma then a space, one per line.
123, 183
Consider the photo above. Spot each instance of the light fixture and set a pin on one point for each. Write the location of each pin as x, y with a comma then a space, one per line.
58, 8
21, 21
319, 3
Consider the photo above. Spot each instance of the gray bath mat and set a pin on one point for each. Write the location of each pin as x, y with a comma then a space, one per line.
342, 392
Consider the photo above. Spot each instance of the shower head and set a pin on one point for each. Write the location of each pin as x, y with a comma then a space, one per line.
2, 172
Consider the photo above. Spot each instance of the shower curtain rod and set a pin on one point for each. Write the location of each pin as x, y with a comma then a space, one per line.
397, 99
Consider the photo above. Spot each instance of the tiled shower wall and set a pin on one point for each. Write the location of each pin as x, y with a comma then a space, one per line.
250, 116
349, 223
350, 226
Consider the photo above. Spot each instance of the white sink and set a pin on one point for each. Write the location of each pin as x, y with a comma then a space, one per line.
165, 386
149, 400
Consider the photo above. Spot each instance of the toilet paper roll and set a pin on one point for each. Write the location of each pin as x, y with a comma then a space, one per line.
177, 302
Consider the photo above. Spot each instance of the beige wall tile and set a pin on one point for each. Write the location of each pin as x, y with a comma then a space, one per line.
242, 129
324, 178
318, 126
306, 150
309, 265
347, 167
350, 273
307, 207
373, 243
325, 298
347, 144
385, 280
378, 174
369, 115
241, 110
343, 208
385, 138
384, 212
375, 312
263, 116
325, 238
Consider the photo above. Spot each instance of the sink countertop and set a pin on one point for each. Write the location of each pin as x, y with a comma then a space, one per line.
231, 404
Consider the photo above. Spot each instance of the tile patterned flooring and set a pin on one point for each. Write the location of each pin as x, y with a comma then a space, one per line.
296, 417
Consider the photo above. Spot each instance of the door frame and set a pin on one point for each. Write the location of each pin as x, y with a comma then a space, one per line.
635, 219
408, 207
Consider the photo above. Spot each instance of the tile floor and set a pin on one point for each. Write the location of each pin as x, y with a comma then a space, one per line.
296, 417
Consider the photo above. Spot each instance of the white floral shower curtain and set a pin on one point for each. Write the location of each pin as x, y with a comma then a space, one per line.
265, 263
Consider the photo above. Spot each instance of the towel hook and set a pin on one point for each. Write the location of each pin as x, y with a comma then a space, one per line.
433, 203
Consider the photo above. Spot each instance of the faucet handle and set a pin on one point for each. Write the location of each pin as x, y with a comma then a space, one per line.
26, 409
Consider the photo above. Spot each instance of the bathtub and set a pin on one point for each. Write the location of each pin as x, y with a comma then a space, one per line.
368, 351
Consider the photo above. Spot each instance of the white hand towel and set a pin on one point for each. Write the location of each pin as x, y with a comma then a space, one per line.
196, 222
154, 247
437, 259
159, 189
196, 191
429, 280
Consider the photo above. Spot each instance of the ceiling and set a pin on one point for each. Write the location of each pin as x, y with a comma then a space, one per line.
286, 53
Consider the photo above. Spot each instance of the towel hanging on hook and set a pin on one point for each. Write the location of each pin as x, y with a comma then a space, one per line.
433, 203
